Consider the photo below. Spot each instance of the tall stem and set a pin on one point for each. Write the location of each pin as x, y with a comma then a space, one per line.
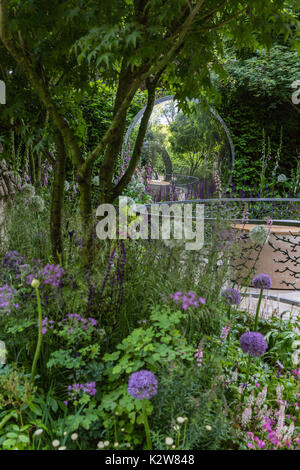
248, 368
40, 336
146, 424
258, 309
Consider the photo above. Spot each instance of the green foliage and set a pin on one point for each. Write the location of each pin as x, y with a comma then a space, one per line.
151, 348
255, 97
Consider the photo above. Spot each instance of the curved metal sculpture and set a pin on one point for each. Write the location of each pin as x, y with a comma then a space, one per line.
151, 149
170, 98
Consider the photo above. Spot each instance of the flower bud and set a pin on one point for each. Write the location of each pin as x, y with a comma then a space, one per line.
35, 283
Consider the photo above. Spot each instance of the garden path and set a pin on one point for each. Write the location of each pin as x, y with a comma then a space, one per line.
282, 301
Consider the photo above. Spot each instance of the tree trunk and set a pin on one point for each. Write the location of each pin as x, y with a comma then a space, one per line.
57, 199
87, 223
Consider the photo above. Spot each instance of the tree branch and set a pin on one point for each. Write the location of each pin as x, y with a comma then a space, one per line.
139, 141
223, 23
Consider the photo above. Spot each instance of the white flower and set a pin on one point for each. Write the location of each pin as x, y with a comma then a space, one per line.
280, 423
169, 441
95, 180
37, 203
28, 191
259, 235
246, 416
180, 420
38, 432
55, 443
234, 376
208, 428
67, 185
62, 448
290, 431
100, 445
261, 397
281, 178
106, 443
279, 390
251, 399
295, 357
74, 436
116, 444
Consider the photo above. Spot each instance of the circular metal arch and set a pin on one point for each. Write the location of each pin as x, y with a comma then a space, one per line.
139, 115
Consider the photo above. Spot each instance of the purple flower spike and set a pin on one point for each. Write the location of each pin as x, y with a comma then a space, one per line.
142, 384
233, 296
253, 343
262, 281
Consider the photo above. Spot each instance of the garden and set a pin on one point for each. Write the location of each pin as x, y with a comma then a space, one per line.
149, 226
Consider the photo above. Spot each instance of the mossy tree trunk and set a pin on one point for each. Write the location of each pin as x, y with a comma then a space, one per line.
57, 199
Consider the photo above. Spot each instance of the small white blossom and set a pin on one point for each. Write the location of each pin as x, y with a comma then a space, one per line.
100, 445
38, 432
55, 443
74, 436
281, 178
180, 420
246, 416
208, 428
169, 441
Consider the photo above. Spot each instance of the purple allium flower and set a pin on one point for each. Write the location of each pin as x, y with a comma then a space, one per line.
262, 281
142, 384
233, 296
253, 343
